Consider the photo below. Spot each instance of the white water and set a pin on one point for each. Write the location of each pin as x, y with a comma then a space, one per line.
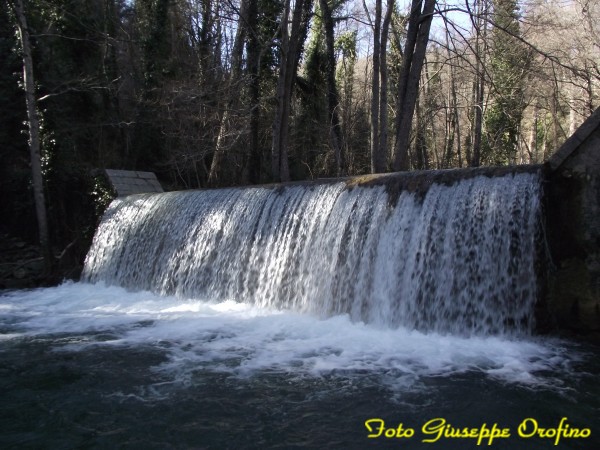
461, 260
245, 340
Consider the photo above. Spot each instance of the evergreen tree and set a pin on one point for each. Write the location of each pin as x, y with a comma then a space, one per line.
509, 65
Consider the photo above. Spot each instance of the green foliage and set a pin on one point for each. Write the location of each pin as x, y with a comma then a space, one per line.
152, 27
102, 194
345, 46
310, 122
509, 65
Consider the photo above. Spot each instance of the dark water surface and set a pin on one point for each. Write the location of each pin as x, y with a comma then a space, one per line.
85, 366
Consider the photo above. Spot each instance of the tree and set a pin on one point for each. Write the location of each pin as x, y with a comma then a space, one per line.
564, 80
480, 24
453, 134
16, 203
253, 50
382, 141
34, 134
509, 66
289, 57
419, 24
379, 87
231, 120
354, 107
377, 156
333, 101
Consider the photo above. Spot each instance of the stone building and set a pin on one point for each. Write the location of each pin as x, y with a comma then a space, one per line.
573, 230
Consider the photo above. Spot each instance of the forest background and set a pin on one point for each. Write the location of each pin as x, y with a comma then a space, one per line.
209, 93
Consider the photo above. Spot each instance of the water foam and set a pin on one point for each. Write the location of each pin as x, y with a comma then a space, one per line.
244, 340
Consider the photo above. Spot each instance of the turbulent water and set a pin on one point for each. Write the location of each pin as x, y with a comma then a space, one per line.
242, 339
460, 259
94, 366
288, 318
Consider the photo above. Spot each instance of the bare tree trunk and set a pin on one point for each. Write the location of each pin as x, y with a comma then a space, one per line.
228, 134
479, 21
204, 48
34, 137
532, 142
253, 52
417, 38
545, 142
478, 125
453, 122
291, 43
573, 97
383, 102
457, 127
333, 100
555, 120
377, 163
450, 134
420, 147
279, 162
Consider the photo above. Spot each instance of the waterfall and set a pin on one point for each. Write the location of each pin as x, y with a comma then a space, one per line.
458, 258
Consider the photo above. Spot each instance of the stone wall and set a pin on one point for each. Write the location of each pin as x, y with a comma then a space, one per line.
573, 221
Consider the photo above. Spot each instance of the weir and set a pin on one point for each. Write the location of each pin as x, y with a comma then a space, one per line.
444, 251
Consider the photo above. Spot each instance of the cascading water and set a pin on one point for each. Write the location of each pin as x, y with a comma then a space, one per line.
457, 259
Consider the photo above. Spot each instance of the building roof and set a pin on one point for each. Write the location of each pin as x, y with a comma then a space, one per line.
127, 182
591, 124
